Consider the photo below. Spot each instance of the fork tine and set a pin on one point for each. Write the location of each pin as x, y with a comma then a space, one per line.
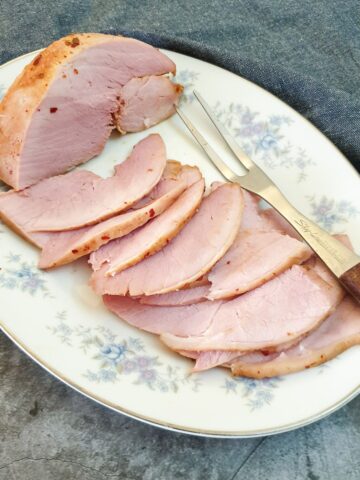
232, 144
213, 156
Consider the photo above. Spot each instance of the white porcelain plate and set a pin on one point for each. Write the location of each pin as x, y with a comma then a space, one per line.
61, 324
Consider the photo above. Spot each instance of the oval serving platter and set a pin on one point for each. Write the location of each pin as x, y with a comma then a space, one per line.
56, 319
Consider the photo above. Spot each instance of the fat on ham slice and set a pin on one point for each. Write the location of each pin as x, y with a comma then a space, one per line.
181, 297
190, 255
337, 333
81, 198
145, 102
61, 109
281, 310
64, 247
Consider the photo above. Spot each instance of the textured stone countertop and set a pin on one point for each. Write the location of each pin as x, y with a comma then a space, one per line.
50, 432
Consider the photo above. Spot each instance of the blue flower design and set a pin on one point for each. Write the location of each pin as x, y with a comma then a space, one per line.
119, 357
23, 276
258, 392
267, 142
328, 213
263, 138
114, 353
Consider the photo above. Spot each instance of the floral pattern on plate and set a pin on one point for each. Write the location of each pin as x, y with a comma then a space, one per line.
23, 276
264, 138
258, 393
330, 213
117, 357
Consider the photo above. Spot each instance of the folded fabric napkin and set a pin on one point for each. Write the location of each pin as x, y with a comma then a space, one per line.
307, 53
335, 112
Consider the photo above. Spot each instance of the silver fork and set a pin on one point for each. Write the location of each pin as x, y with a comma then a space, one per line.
344, 263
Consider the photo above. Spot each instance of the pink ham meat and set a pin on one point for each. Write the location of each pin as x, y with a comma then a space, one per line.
64, 247
181, 297
61, 109
151, 238
260, 252
145, 102
81, 198
159, 320
336, 334
192, 253
254, 258
279, 311
206, 360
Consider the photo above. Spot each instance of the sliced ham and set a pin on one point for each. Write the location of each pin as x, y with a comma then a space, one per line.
282, 310
81, 198
337, 333
253, 219
60, 110
151, 238
181, 297
197, 247
159, 320
260, 251
145, 102
279, 311
278, 222
211, 359
206, 360
64, 247
254, 258
215, 358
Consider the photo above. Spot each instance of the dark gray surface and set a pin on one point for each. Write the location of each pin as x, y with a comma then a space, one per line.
308, 53
50, 432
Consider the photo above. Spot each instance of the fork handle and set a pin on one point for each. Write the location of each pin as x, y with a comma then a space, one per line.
351, 281
344, 263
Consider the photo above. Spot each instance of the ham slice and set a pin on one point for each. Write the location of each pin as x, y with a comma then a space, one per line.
148, 240
254, 258
198, 246
181, 297
64, 247
61, 109
337, 333
145, 102
279, 311
215, 358
260, 252
159, 320
206, 360
282, 310
81, 198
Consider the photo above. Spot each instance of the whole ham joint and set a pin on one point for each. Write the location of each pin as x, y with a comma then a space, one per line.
61, 109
